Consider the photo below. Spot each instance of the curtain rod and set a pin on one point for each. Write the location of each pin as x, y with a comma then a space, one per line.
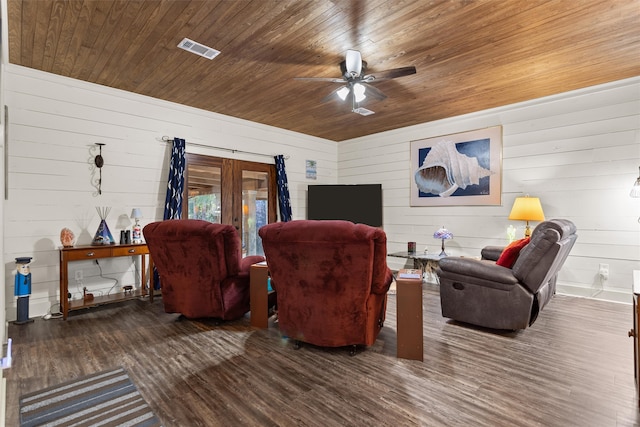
233, 150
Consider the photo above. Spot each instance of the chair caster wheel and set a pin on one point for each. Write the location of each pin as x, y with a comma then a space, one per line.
297, 345
353, 351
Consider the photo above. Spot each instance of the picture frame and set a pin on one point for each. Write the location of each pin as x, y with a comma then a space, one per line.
461, 169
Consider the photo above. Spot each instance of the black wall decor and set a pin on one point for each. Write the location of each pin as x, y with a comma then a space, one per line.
99, 161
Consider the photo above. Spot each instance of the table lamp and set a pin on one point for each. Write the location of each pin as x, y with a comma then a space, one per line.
527, 209
443, 234
136, 235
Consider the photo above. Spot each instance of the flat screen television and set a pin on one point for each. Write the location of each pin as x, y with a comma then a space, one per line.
358, 203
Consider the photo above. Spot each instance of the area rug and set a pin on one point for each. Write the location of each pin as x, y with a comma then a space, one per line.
107, 398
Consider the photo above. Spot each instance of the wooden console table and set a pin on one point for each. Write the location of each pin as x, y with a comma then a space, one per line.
80, 253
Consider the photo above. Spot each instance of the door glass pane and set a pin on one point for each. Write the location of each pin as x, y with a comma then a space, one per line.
255, 212
204, 192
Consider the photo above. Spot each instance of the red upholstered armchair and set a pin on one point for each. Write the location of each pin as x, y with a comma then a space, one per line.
331, 280
201, 268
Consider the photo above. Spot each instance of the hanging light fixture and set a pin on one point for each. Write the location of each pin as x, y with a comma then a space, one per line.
635, 190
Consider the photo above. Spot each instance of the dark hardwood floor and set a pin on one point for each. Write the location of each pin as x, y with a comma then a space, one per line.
574, 367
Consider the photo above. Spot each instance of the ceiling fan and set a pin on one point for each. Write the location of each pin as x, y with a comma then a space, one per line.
357, 85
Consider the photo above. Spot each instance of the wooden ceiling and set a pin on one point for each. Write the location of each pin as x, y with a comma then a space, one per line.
470, 55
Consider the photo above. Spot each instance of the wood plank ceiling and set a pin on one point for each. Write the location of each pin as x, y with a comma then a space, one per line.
470, 55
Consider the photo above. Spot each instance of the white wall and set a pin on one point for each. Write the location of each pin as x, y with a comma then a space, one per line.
578, 152
54, 123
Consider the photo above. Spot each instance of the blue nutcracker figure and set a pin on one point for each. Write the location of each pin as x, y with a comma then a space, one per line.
22, 289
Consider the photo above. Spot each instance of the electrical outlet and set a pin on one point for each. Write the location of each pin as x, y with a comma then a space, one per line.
78, 275
603, 271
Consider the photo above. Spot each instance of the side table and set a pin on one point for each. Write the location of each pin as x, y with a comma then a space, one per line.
409, 315
259, 295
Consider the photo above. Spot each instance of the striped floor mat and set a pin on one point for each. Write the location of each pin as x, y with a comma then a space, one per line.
107, 398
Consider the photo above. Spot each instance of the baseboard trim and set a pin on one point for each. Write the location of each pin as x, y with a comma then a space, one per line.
597, 294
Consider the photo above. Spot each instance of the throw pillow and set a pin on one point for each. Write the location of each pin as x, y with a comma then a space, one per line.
510, 254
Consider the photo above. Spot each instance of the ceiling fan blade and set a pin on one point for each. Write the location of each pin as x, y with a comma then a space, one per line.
374, 92
321, 79
353, 62
390, 74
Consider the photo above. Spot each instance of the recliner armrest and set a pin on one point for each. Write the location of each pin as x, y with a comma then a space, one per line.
491, 252
477, 269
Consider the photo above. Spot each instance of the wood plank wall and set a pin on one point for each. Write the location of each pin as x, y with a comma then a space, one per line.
54, 124
578, 152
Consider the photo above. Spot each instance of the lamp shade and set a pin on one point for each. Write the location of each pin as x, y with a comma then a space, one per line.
635, 190
358, 92
136, 213
443, 233
527, 209
343, 92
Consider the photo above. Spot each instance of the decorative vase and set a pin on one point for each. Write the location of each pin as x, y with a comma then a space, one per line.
67, 238
103, 235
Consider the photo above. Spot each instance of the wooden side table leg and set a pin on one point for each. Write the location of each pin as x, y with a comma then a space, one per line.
64, 287
409, 315
151, 281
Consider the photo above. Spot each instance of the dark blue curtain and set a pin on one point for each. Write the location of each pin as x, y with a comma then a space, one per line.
173, 201
283, 189
175, 185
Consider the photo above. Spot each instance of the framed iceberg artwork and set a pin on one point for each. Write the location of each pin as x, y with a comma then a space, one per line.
458, 169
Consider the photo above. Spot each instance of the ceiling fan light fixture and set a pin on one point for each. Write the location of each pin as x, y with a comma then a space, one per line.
358, 92
343, 92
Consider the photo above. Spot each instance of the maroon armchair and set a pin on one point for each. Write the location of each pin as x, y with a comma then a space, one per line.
202, 272
331, 280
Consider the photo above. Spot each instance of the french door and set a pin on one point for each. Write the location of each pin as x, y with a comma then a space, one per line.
235, 192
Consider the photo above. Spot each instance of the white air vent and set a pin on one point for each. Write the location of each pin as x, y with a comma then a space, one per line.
363, 111
198, 49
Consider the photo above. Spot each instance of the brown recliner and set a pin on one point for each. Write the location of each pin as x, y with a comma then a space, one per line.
482, 293
331, 280
202, 272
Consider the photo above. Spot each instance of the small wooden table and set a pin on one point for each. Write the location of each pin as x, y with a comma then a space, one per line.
259, 295
409, 315
425, 262
80, 253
